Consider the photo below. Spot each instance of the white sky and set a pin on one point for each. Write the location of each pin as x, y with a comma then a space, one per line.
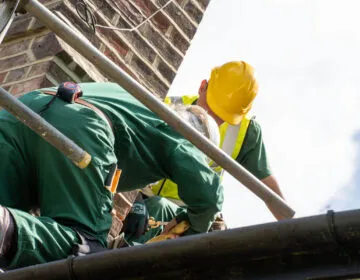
306, 53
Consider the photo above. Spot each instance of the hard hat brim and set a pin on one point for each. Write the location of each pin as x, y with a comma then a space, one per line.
233, 119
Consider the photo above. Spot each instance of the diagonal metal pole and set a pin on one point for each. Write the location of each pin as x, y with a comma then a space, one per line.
84, 47
44, 129
7, 14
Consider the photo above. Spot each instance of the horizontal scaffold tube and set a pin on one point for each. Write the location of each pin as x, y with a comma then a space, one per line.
306, 236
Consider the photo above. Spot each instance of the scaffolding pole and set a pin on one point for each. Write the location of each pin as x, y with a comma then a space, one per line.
7, 14
45, 130
114, 72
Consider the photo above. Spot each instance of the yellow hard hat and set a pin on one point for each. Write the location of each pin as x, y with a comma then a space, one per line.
231, 90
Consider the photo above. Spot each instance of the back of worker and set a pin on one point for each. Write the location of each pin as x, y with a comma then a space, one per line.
144, 147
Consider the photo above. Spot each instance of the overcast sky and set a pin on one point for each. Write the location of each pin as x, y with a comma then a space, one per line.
306, 53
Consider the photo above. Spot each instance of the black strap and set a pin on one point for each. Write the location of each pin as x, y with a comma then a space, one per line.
162, 185
47, 106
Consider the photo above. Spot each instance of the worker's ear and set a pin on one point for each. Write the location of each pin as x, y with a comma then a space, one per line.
203, 87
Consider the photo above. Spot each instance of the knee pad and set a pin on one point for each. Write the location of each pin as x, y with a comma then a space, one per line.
7, 231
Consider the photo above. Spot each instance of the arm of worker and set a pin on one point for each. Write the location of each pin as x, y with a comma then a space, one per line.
254, 158
272, 183
198, 186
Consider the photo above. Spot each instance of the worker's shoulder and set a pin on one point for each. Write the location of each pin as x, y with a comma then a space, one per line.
181, 99
112, 94
102, 89
177, 142
254, 129
186, 153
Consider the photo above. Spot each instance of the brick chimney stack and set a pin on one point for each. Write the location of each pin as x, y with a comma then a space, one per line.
32, 56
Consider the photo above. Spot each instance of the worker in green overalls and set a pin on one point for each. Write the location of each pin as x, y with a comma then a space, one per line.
75, 205
228, 97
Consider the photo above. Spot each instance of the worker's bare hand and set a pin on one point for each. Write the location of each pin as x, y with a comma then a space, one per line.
176, 227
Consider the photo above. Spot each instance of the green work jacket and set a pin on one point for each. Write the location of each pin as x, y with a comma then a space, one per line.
147, 150
247, 148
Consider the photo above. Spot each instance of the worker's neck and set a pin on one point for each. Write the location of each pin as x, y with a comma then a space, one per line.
202, 103
216, 118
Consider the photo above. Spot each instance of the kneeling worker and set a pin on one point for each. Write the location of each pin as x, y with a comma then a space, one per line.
75, 204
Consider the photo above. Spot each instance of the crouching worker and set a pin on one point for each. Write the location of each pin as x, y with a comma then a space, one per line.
75, 204
138, 228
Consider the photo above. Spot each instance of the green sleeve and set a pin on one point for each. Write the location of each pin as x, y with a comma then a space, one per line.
253, 154
198, 186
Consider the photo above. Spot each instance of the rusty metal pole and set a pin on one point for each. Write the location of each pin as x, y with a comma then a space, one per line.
84, 47
44, 129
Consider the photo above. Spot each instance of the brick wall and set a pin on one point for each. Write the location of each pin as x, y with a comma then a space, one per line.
31, 56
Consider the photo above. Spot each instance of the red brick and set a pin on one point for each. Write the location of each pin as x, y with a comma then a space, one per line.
16, 74
179, 41
14, 48
148, 77
113, 58
184, 23
166, 72
82, 27
138, 43
122, 202
131, 12
115, 41
39, 68
105, 8
162, 45
19, 25
58, 74
14, 61
148, 8
204, 3
37, 24
2, 77
46, 83
161, 22
193, 11
45, 2
24, 87
182, 2
45, 46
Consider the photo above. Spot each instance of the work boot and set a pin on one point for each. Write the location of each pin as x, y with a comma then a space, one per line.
7, 232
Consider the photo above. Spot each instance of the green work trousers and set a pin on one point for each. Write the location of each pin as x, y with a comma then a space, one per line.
34, 173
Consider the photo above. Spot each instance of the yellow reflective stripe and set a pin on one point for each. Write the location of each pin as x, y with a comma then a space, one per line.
218, 169
167, 100
189, 99
238, 143
241, 136
156, 186
165, 188
185, 100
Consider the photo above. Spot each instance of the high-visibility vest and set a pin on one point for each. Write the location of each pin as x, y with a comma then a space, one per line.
231, 140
